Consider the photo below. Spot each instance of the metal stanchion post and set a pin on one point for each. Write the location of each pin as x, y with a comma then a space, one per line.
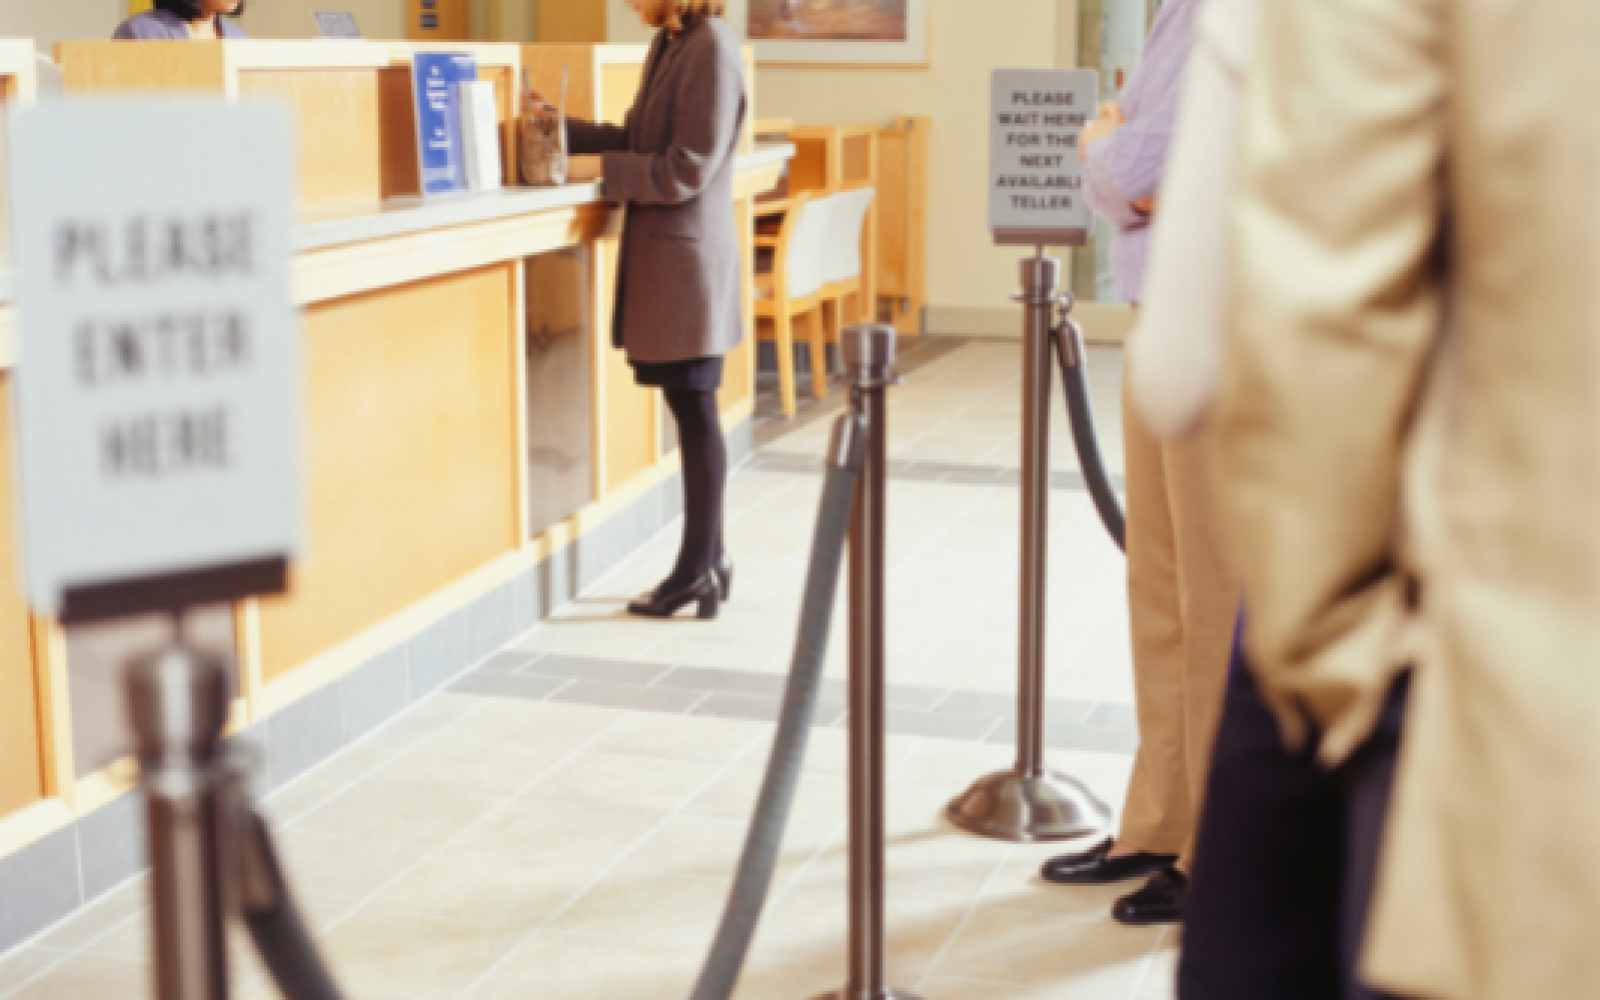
1030, 802
179, 705
869, 353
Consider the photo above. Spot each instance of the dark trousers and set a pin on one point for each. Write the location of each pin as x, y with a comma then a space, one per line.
1284, 860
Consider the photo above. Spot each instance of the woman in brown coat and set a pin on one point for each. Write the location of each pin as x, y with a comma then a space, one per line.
678, 307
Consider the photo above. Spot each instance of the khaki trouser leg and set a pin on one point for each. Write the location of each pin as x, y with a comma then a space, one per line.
1182, 602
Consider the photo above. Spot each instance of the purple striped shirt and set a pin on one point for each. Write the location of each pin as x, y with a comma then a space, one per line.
162, 25
1127, 165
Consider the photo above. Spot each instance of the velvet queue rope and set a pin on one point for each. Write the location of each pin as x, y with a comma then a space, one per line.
1081, 415
753, 878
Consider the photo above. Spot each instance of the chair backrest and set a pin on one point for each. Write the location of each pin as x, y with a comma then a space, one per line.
806, 239
842, 259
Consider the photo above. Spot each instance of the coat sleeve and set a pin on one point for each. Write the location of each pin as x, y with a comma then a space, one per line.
709, 108
1175, 353
1340, 239
586, 138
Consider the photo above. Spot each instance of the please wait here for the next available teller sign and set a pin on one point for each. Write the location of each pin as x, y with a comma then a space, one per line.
1035, 177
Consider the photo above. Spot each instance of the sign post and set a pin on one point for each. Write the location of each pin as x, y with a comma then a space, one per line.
158, 406
1035, 199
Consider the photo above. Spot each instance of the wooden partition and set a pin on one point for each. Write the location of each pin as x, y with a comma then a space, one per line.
25, 747
352, 100
902, 263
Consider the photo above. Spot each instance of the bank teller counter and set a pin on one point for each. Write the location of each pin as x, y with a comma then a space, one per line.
475, 450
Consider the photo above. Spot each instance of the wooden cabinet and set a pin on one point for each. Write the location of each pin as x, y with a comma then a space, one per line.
903, 222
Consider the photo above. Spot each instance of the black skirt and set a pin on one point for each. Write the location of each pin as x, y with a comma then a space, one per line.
701, 374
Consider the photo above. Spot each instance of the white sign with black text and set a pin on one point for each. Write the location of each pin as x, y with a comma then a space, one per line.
159, 381
1035, 178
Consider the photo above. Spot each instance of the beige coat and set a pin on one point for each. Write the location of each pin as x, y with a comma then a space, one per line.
1410, 421
672, 163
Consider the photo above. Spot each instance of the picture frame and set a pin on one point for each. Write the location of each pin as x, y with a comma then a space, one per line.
910, 51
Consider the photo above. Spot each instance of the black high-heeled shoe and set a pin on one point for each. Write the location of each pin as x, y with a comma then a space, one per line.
706, 591
724, 571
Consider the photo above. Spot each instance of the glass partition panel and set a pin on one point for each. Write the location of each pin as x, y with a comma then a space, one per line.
558, 341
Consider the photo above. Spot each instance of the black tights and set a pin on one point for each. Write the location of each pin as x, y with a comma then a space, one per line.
705, 477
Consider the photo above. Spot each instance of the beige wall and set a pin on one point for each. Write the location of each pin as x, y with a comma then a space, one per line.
51, 21
969, 281
292, 18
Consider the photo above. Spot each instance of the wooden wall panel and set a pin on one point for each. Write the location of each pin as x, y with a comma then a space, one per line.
341, 133
411, 403
450, 21
91, 66
568, 22
619, 83
21, 756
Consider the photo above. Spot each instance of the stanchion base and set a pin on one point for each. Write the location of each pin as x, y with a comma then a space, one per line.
884, 994
1025, 810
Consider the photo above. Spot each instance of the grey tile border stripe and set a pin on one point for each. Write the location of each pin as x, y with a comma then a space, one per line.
913, 710
956, 473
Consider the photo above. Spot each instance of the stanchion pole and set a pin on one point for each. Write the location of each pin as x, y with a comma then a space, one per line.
869, 354
1030, 802
178, 701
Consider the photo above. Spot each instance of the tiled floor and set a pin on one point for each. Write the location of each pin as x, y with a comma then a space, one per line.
563, 823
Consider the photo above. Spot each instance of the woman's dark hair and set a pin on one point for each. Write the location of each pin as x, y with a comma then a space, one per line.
190, 10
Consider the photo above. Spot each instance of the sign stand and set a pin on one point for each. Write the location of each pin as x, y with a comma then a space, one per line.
1035, 199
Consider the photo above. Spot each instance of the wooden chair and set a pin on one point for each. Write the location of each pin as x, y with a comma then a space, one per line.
793, 290
817, 266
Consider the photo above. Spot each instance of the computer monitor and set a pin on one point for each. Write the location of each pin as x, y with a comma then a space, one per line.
337, 24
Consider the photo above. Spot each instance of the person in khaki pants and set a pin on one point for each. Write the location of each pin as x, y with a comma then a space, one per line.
1182, 598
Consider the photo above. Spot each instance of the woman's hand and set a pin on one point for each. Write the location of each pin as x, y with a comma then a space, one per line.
1110, 120
583, 169
535, 105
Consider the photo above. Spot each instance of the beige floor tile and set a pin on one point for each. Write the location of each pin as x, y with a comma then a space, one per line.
1161, 976
25, 964
821, 796
781, 978
538, 724
384, 809
810, 925
456, 759
678, 737
1095, 958
336, 869
106, 913
550, 830
90, 977
555, 966
642, 782
414, 955
504, 890
677, 910
711, 846
828, 751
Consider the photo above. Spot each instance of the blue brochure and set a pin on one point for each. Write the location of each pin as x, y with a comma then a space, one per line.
442, 157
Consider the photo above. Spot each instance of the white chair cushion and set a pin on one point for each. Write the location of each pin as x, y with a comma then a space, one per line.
842, 258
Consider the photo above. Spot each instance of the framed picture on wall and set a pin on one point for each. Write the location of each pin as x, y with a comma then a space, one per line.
834, 31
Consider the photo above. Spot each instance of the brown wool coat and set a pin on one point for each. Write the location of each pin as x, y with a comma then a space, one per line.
672, 164
1410, 438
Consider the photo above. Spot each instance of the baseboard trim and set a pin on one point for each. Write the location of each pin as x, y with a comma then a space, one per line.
1102, 322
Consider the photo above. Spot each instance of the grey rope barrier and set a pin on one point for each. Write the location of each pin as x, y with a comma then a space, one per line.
760, 857
1068, 339
211, 853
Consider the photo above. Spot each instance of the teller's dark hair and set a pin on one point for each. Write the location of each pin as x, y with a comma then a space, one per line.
190, 10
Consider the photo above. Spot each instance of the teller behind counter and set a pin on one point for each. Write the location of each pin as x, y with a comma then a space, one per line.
183, 20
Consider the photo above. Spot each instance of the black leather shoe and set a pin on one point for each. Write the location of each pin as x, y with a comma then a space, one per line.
706, 592
724, 571
1096, 867
1161, 901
